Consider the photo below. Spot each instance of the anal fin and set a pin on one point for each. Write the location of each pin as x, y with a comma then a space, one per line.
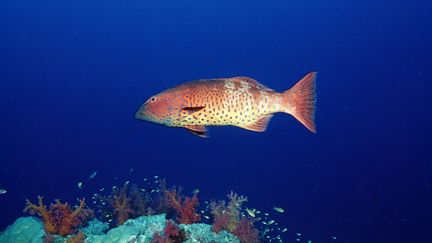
198, 130
260, 124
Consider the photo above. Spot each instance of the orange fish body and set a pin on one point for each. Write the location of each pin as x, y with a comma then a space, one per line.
237, 101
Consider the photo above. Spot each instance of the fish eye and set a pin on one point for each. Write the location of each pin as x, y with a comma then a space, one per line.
152, 99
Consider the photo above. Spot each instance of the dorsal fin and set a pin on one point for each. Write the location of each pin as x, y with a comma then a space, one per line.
191, 110
260, 124
252, 82
198, 130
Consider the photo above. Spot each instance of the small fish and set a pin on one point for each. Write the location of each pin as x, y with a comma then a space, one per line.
266, 214
102, 189
250, 212
278, 209
156, 176
298, 234
131, 170
284, 230
237, 101
195, 191
207, 217
126, 183
3, 191
270, 222
334, 237
93, 175
80, 185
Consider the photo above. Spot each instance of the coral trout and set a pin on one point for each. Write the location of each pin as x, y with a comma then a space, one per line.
237, 101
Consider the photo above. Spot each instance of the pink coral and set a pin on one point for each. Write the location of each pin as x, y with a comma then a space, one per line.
246, 232
227, 215
221, 223
186, 209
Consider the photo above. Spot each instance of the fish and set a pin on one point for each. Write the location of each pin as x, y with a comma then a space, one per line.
278, 209
80, 184
250, 212
93, 175
238, 101
3, 191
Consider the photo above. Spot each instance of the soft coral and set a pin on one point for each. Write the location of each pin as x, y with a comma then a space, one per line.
186, 209
59, 218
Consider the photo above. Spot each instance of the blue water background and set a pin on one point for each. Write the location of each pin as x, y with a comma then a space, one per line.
72, 74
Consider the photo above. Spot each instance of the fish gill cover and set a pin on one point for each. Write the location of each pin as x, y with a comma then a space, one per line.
73, 75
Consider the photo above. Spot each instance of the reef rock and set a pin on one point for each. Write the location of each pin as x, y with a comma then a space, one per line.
202, 233
139, 230
24, 229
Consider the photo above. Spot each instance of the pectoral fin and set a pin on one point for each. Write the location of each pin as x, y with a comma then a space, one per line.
260, 125
191, 110
198, 130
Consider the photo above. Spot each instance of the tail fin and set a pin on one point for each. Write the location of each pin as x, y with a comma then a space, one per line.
299, 101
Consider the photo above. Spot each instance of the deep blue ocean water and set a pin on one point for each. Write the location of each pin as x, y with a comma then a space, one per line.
72, 75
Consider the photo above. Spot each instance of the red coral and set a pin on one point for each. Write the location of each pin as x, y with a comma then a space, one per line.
186, 209
60, 219
221, 223
172, 234
246, 232
121, 205
227, 215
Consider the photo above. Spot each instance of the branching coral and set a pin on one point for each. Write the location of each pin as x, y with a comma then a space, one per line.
60, 218
228, 217
185, 209
125, 203
121, 205
246, 232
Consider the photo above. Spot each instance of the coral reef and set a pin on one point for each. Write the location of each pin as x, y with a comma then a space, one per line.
126, 203
143, 214
246, 232
185, 208
172, 234
228, 217
121, 204
60, 218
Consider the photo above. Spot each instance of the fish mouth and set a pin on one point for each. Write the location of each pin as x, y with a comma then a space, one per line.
142, 115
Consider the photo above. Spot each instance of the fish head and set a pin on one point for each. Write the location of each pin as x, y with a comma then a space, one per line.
160, 108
